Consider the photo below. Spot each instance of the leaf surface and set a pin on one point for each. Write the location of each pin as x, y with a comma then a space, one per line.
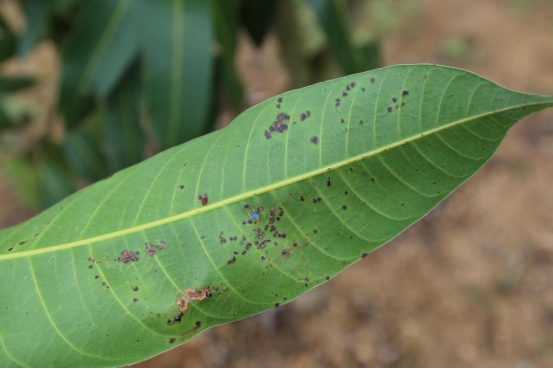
331, 172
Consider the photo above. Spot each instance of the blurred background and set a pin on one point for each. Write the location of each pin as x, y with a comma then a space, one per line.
89, 87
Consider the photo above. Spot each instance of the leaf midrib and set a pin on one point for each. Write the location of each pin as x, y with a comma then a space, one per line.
246, 195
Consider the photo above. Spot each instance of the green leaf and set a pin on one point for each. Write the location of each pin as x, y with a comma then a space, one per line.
332, 19
125, 140
225, 14
24, 179
100, 48
257, 18
55, 182
13, 84
178, 61
83, 154
95, 280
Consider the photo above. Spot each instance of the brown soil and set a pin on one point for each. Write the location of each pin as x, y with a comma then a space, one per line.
469, 285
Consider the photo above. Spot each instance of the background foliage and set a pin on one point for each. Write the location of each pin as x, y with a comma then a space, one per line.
140, 76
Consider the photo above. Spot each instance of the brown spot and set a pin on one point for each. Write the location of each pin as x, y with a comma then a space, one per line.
151, 248
192, 295
232, 261
280, 124
405, 93
128, 256
203, 199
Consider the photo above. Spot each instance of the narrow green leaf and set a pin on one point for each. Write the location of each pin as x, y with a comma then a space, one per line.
95, 57
13, 84
257, 18
84, 155
55, 183
334, 25
125, 141
24, 179
339, 169
225, 15
178, 61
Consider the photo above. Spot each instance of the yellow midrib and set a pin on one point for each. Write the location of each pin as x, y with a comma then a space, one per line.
231, 200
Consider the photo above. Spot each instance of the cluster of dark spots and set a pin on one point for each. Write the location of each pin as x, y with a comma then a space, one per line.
305, 115
279, 125
278, 106
135, 288
364, 254
306, 279
337, 104
361, 123
267, 135
316, 200
345, 207
128, 256
180, 187
362, 89
389, 109
235, 238
105, 285
372, 80
314, 140
151, 248
203, 199
263, 244
222, 239
405, 93
232, 261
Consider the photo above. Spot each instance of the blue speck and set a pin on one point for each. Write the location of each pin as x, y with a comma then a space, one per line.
255, 216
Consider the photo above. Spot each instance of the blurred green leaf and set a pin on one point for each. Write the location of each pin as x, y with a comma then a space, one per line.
24, 180
7, 40
125, 142
178, 60
225, 14
257, 17
12, 84
332, 18
55, 183
96, 54
84, 155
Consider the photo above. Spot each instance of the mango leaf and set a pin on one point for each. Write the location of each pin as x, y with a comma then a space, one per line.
99, 50
257, 18
244, 219
84, 155
125, 139
333, 22
178, 62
